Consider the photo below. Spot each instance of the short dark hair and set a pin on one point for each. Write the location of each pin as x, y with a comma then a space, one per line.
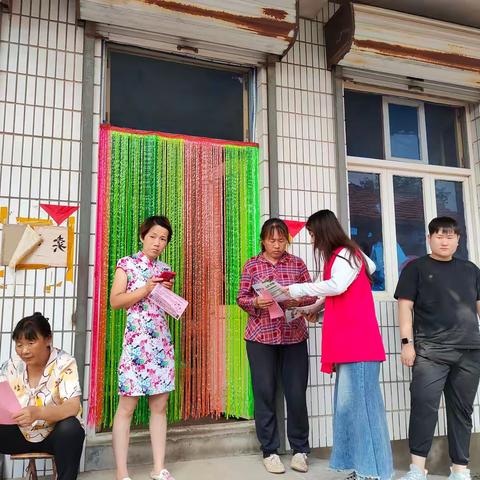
159, 220
443, 224
32, 327
271, 226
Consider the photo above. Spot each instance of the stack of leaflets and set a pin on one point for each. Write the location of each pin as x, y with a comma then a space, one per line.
272, 290
316, 308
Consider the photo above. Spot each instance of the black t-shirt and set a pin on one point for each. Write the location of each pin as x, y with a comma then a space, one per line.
445, 296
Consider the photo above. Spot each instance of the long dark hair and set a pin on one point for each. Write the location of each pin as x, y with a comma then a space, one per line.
328, 235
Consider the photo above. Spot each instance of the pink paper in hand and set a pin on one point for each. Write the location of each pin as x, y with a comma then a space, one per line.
169, 301
274, 310
9, 405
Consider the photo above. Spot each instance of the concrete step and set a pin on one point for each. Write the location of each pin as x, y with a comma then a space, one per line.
228, 438
183, 443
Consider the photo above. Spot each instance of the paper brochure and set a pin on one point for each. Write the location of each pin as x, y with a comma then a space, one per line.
9, 404
169, 301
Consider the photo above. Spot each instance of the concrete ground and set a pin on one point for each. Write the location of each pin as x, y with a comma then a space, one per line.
242, 467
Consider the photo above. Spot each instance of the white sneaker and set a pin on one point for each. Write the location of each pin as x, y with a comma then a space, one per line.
273, 464
163, 475
299, 462
414, 474
461, 475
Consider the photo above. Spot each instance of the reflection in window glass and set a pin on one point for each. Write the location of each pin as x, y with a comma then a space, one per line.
409, 219
442, 135
366, 220
364, 124
403, 121
449, 196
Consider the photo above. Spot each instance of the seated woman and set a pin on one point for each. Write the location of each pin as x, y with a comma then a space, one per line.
45, 382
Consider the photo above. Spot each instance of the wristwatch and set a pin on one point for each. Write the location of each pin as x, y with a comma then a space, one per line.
406, 340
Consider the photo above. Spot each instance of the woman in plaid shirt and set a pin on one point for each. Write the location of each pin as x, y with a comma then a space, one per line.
277, 347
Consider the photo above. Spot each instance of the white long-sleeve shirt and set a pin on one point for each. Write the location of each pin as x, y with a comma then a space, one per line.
342, 275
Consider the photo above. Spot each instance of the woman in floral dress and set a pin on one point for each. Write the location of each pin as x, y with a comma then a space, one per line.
147, 361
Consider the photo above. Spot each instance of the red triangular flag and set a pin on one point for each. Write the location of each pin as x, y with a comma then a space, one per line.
294, 226
58, 212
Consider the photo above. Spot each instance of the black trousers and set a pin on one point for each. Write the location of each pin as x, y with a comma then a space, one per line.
65, 443
266, 363
456, 373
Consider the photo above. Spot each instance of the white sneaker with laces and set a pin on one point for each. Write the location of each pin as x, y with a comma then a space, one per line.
299, 462
273, 464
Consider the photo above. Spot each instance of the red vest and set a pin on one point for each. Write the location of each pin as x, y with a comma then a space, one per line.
350, 330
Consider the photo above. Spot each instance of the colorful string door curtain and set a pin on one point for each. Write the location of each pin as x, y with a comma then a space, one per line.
209, 191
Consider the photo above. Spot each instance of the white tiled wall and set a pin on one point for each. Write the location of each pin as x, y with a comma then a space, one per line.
41, 54
474, 113
307, 176
261, 137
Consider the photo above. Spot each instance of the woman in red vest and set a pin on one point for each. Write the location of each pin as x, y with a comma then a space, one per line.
352, 348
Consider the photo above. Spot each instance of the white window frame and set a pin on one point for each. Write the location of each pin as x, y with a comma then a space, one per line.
422, 128
429, 173
429, 206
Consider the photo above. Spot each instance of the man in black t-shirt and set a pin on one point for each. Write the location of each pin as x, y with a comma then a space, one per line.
438, 307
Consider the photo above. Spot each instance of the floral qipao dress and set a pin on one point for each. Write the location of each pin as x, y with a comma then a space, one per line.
147, 364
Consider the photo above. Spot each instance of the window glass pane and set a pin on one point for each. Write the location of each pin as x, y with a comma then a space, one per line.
409, 219
364, 124
151, 94
366, 220
442, 135
449, 196
403, 121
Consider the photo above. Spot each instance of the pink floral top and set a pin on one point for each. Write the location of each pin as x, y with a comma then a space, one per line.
147, 364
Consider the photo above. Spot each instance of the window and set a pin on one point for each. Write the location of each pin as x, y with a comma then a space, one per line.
449, 199
400, 176
390, 128
366, 220
444, 135
172, 96
363, 118
403, 130
409, 219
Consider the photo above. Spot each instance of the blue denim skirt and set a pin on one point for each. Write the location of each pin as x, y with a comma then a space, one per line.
360, 434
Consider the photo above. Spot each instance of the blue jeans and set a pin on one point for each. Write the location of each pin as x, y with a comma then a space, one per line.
360, 435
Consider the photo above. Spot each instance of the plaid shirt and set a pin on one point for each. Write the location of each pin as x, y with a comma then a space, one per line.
261, 328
